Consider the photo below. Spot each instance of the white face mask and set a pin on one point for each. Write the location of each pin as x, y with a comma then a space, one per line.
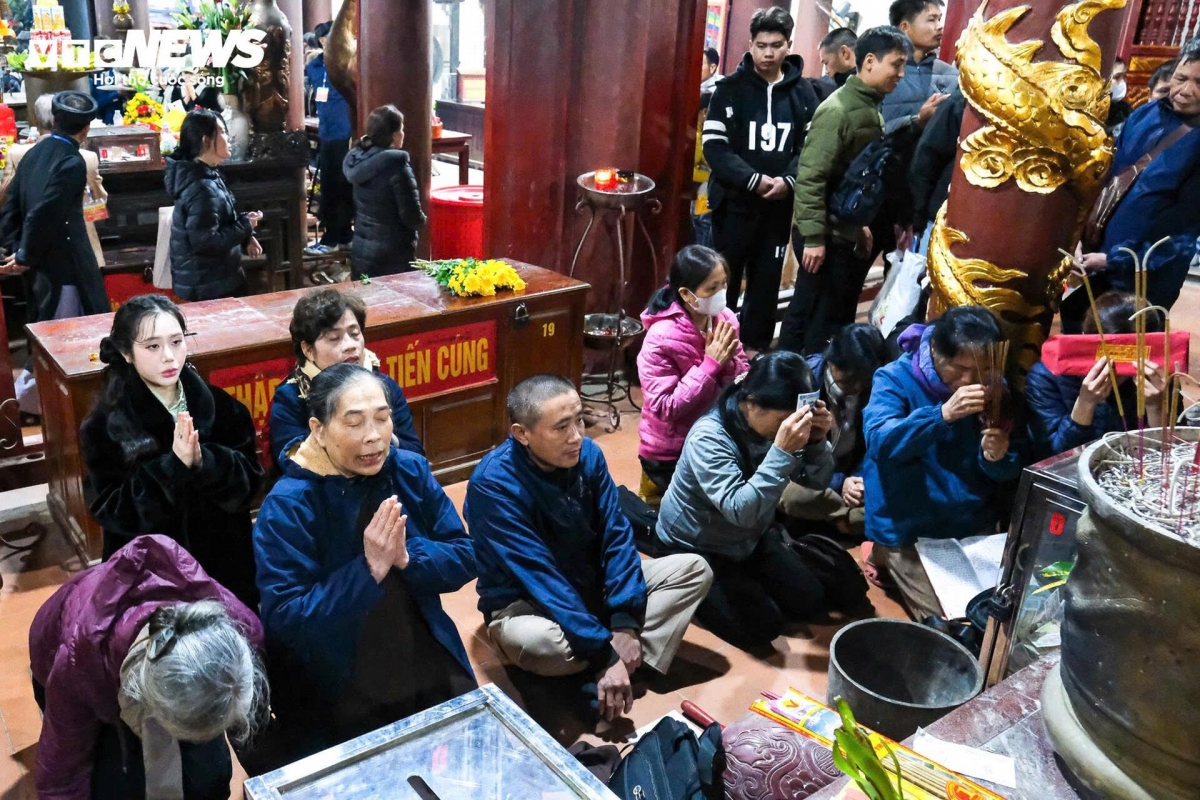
712, 306
1118, 91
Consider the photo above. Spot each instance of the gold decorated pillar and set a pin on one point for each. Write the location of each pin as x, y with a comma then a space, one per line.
1033, 155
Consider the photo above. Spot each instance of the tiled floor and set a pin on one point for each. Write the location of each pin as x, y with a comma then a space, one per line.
718, 677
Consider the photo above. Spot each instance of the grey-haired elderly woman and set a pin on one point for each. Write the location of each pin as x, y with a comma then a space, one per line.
144, 667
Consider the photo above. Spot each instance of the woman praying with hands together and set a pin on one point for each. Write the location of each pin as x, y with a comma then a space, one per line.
168, 453
691, 352
355, 546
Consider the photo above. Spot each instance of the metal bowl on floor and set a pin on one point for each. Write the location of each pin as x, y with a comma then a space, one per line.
897, 675
630, 195
600, 331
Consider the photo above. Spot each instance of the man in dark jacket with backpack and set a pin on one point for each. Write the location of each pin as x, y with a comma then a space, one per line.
752, 138
834, 255
561, 586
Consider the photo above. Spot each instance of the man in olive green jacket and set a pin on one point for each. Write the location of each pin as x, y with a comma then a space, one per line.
835, 257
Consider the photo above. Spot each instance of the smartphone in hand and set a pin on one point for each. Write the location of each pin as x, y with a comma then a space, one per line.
809, 399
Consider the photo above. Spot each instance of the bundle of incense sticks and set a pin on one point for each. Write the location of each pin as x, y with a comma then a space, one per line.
1141, 285
1112, 367
990, 362
920, 778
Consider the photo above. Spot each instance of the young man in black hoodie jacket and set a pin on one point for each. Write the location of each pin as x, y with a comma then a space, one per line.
752, 138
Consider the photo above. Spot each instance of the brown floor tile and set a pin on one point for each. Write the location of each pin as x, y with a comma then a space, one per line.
728, 697
462, 606
16, 776
22, 720
703, 638
14, 683
457, 492
239, 778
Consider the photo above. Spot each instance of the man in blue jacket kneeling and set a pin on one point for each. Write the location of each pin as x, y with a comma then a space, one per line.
561, 585
932, 470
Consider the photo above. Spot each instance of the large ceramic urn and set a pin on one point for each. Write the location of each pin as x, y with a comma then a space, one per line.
1123, 706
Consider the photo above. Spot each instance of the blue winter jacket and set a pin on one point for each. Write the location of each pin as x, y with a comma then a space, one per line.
1051, 398
921, 81
290, 413
333, 116
1164, 201
923, 477
313, 576
589, 586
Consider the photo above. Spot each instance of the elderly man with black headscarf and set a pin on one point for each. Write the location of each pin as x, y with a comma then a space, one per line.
42, 226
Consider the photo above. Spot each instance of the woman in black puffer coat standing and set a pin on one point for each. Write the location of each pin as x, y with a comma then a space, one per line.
207, 231
387, 202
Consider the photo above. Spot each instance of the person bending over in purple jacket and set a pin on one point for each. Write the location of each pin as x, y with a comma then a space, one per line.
142, 666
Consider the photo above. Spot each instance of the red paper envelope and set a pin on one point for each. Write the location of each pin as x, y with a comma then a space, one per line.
1076, 355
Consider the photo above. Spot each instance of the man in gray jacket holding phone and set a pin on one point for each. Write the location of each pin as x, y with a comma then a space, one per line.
927, 79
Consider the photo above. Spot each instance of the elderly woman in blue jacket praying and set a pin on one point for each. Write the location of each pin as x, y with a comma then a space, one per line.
355, 546
931, 469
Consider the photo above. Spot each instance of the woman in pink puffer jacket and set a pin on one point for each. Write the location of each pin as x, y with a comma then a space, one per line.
690, 353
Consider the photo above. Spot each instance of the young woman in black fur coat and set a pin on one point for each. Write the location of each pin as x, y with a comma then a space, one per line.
167, 453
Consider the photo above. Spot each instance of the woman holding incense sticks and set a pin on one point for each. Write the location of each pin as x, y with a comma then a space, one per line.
933, 468
1067, 411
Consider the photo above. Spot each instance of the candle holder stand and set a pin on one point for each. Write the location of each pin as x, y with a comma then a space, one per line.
614, 331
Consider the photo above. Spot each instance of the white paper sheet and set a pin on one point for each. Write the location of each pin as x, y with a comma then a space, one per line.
969, 761
959, 569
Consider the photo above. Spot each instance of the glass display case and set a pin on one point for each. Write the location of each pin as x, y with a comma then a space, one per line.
125, 148
479, 746
1039, 551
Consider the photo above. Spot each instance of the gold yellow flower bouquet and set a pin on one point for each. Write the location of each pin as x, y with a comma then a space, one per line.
469, 277
144, 110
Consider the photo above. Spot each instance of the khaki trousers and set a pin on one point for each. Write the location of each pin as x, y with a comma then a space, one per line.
675, 586
821, 505
904, 565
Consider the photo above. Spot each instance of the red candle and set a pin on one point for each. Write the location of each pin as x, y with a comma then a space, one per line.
606, 179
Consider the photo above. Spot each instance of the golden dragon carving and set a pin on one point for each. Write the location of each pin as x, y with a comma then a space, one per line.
1045, 131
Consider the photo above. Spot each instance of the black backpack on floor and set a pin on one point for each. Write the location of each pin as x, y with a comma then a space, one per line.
670, 763
642, 518
839, 574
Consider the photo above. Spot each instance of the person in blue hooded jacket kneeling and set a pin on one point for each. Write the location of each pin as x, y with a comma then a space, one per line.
561, 586
931, 470
355, 546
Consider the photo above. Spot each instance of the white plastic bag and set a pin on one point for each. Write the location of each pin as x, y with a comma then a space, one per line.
900, 293
162, 249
